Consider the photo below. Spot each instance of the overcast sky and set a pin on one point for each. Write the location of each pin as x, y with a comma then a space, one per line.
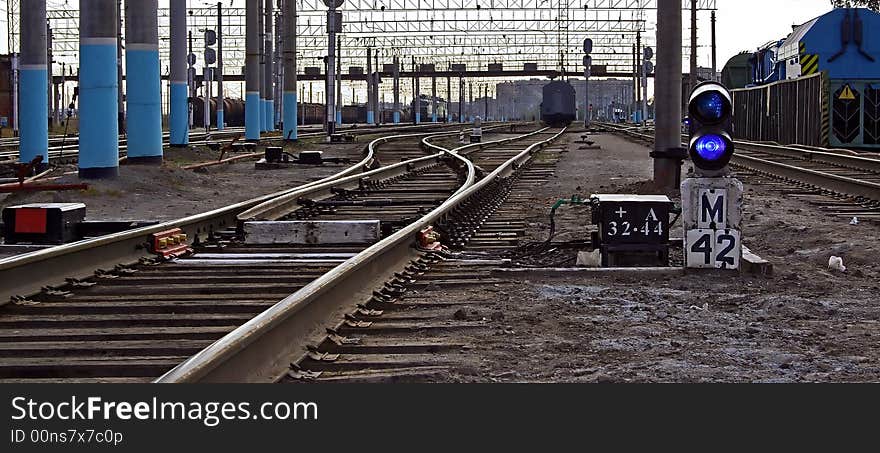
748, 24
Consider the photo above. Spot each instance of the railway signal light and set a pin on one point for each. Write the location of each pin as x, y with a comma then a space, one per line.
710, 113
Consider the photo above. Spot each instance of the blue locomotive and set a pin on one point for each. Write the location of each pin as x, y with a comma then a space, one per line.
824, 76
558, 107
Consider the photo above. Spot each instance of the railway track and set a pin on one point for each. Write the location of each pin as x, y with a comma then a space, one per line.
134, 322
853, 180
67, 152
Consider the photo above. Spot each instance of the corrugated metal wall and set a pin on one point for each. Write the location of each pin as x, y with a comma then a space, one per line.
787, 112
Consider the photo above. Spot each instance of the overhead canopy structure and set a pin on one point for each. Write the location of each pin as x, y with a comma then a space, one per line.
471, 32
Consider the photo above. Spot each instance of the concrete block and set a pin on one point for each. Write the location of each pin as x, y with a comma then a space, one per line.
313, 232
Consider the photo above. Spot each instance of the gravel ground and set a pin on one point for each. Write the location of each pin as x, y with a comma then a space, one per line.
804, 323
170, 192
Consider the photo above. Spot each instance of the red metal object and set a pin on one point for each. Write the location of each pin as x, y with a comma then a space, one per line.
429, 239
30, 220
170, 243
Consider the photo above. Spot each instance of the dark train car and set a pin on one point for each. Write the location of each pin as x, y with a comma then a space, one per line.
233, 112
558, 107
352, 114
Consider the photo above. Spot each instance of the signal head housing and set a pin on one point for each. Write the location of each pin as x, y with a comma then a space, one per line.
710, 112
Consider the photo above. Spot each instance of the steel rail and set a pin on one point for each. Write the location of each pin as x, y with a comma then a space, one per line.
28, 273
262, 349
280, 206
838, 184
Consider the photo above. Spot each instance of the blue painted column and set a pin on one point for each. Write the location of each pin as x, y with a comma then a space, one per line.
221, 118
33, 85
290, 80
269, 66
253, 108
178, 115
143, 85
98, 88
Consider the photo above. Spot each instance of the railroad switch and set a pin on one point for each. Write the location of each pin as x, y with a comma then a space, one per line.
170, 243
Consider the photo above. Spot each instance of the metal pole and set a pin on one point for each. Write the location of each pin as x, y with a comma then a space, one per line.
253, 110
179, 108
221, 113
49, 61
16, 79
120, 98
376, 84
333, 26
448, 99
396, 88
667, 95
143, 82
693, 75
639, 69
290, 81
370, 118
338, 79
416, 103
714, 48
98, 127
191, 78
460, 99
33, 79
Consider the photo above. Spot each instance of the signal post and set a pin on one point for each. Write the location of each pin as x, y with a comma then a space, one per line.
711, 201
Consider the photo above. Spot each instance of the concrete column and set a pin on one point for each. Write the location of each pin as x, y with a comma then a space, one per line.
417, 102
142, 83
269, 75
178, 115
221, 117
667, 93
98, 109
290, 104
396, 88
470, 102
253, 110
460, 100
370, 118
261, 26
449, 99
433, 99
33, 82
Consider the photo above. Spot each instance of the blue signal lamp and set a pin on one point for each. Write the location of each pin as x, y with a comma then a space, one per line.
710, 117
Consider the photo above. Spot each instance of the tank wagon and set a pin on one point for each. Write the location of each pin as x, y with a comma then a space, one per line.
558, 107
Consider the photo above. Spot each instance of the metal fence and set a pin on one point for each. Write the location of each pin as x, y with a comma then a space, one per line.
786, 112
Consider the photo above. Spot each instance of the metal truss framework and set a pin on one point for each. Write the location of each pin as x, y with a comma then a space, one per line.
470, 32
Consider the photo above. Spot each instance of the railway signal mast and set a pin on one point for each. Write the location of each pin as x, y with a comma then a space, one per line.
334, 26
711, 201
588, 63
